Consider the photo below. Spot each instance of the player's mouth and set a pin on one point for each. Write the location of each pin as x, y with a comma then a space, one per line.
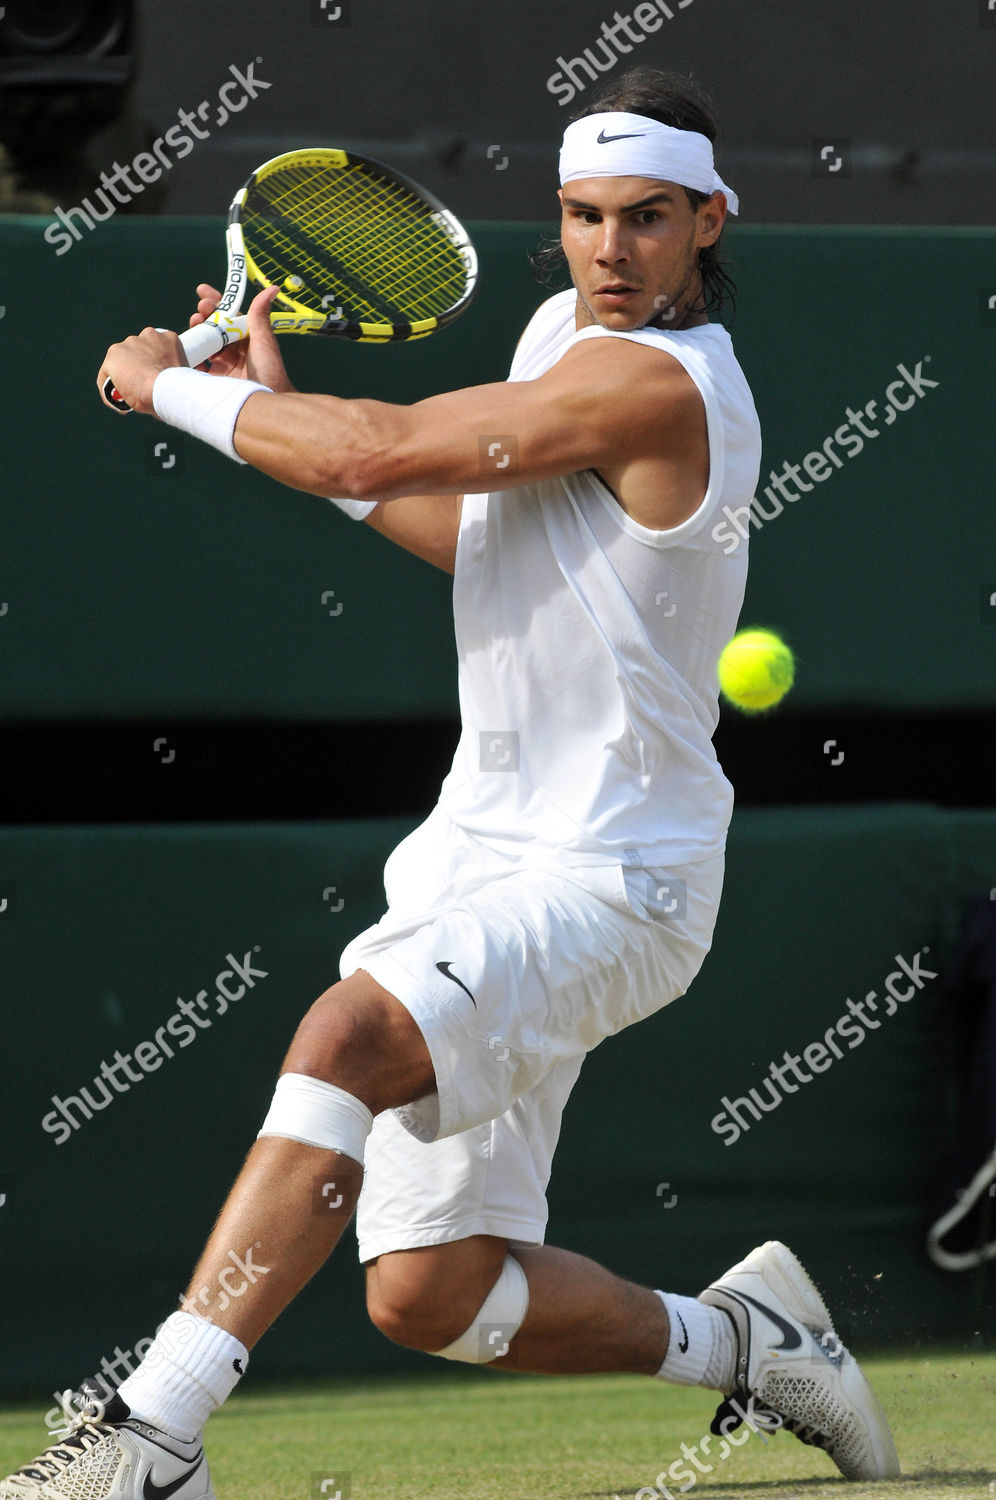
616, 294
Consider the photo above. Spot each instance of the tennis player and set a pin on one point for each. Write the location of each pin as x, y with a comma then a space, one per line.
565, 885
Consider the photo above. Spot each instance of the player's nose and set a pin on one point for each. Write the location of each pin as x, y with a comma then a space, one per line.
611, 245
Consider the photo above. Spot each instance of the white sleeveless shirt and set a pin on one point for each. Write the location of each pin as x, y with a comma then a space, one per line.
588, 644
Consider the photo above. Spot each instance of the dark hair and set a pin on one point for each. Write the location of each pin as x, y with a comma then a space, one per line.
676, 101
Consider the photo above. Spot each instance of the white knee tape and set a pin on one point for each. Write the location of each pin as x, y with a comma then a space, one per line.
499, 1320
318, 1114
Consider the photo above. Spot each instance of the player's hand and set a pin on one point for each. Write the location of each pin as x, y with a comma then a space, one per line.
134, 364
256, 358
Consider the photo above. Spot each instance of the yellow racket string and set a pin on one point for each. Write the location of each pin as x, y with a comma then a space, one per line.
358, 241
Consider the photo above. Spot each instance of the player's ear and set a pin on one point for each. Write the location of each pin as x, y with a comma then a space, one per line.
711, 217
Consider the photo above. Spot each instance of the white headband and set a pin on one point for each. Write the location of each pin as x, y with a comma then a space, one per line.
616, 144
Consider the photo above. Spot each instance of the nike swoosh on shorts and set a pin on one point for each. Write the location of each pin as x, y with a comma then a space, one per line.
444, 968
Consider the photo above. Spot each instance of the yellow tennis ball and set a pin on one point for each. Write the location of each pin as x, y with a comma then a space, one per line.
756, 670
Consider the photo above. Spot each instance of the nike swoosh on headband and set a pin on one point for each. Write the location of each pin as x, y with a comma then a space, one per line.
630, 135
790, 1335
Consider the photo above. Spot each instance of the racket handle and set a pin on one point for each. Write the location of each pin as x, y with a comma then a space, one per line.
198, 344
209, 338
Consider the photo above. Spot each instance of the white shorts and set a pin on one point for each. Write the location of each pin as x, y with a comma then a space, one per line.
512, 972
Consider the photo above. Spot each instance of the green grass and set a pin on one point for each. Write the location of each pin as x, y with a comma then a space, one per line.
473, 1435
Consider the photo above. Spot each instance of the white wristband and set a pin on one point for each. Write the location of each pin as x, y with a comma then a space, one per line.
358, 509
206, 406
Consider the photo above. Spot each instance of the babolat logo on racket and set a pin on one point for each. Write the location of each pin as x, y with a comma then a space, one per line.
236, 278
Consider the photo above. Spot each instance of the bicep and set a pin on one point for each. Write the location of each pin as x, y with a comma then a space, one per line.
603, 402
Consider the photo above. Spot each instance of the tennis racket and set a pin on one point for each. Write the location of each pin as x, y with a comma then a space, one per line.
358, 251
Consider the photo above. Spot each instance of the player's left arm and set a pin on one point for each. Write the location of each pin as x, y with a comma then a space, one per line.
606, 404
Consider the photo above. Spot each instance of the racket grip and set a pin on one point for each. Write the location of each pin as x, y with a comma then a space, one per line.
208, 338
198, 344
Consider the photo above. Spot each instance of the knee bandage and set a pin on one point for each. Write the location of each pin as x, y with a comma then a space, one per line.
318, 1114
499, 1320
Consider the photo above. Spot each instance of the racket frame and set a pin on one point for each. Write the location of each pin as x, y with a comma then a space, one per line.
227, 324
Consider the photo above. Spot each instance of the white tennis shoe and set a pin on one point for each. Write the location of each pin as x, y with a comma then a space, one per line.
107, 1454
790, 1361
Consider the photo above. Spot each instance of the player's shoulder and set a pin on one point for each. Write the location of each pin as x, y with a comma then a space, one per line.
706, 339
664, 361
634, 363
550, 324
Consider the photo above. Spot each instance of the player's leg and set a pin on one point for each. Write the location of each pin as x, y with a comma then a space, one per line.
357, 1052
538, 968
580, 1319
760, 1334
549, 969
585, 1320
291, 1201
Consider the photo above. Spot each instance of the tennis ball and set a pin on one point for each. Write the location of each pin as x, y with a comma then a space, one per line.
756, 670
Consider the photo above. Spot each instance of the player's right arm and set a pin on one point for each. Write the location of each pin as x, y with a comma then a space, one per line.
426, 525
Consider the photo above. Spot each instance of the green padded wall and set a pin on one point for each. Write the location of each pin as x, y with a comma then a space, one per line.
109, 928
197, 592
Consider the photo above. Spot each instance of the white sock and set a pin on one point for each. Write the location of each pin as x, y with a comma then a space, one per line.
702, 1349
190, 1369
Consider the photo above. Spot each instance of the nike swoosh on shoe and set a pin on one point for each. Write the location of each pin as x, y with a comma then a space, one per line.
153, 1491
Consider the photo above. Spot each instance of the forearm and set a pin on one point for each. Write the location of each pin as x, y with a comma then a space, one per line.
356, 450
319, 444
373, 450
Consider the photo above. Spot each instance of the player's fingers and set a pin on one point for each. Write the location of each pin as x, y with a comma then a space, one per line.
261, 334
259, 307
225, 361
208, 297
265, 360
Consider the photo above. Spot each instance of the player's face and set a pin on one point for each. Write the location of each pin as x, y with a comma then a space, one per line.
632, 245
